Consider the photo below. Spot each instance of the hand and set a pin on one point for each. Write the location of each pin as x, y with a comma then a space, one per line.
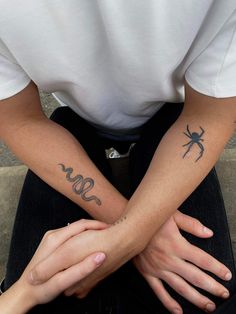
110, 241
167, 258
61, 280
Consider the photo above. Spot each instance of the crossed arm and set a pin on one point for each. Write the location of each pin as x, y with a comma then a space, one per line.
161, 191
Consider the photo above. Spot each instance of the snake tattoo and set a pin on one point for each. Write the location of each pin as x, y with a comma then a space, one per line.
81, 185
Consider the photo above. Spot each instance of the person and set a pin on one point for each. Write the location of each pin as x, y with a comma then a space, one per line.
154, 73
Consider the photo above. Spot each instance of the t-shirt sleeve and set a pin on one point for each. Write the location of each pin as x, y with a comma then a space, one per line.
213, 72
13, 78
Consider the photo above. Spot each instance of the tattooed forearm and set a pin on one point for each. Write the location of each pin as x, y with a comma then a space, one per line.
119, 220
195, 139
81, 185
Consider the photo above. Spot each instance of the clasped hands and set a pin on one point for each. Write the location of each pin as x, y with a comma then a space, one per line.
72, 260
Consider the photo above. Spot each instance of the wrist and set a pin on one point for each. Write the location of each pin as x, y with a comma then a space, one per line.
16, 300
128, 237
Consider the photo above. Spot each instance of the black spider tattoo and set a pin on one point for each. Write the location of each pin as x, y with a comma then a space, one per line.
195, 139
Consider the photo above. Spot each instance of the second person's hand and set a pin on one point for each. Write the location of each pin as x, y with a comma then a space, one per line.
22, 296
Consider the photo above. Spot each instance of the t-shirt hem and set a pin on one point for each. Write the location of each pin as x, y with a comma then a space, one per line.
13, 87
217, 92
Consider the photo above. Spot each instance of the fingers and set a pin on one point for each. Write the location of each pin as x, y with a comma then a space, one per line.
163, 295
79, 290
56, 247
76, 289
192, 225
205, 261
188, 292
82, 288
198, 278
57, 237
54, 238
71, 276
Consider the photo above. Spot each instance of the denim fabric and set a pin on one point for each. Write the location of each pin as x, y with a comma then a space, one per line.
41, 208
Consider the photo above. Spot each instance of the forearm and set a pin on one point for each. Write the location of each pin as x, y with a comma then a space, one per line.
50, 150
171, 176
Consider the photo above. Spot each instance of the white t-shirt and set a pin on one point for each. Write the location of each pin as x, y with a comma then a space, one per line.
116, 62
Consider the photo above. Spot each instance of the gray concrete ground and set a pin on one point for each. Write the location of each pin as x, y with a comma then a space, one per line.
226, 171
11, 179
7, 159
12, 173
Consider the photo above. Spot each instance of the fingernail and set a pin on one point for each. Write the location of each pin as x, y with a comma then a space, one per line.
207, 230
99, 258
228, 276
225, 295
210, 307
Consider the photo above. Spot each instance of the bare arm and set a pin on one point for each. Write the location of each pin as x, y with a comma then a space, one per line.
179, 164
56, 156
160, 193
171, 177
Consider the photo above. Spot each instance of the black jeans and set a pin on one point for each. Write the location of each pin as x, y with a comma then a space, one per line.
42, 208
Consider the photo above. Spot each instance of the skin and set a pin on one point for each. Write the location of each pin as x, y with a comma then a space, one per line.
167, 257
142, 222
84, 188
158, 189
21, 297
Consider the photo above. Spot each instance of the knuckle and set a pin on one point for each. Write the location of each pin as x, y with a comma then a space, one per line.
197, 281
214, 287
195, 224
181, 290
206, 262
38, 274
47, 234
164, 275
50, 238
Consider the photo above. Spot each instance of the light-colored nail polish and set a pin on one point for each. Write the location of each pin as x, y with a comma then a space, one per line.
99, 258
210, 307
228, 276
